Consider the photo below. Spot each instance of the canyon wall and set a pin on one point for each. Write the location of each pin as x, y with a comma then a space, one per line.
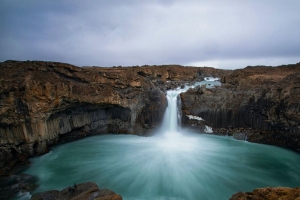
260, 104
42, 103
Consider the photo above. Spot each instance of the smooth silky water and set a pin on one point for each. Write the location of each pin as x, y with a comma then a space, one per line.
172, 164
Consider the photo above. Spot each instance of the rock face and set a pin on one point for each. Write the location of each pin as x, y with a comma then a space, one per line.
269, 194
262, 103
42, 103
83, 191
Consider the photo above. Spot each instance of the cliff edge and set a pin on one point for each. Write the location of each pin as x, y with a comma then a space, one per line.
260, 104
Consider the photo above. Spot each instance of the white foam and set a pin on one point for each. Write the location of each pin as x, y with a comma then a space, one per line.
23, 195
208, 129
195, 117
211, 79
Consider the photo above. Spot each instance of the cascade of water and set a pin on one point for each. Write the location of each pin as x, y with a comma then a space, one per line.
172, 117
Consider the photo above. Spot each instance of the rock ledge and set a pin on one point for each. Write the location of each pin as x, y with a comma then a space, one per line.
84, 191
282, 193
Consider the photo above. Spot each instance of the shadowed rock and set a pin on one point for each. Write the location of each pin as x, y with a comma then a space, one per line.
84, 191
260, 102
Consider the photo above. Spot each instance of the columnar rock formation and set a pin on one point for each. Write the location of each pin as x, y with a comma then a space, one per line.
259, 103
44, 102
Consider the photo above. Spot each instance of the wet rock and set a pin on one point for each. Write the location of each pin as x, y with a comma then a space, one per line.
269, 194
240, 136
11, 186
84, 191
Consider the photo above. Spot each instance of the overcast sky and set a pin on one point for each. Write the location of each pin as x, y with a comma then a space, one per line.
223, 34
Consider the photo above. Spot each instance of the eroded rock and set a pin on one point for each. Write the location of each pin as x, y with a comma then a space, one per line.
83, 191
268, 193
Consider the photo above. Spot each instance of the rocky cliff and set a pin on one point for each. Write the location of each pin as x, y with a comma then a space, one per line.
260, 104
42, 103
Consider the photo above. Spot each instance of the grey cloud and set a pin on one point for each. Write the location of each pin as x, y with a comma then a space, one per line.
107, 33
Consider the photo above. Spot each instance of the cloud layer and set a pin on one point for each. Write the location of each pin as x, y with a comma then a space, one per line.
223, 34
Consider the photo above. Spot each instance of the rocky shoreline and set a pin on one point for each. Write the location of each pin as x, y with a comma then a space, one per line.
90, 190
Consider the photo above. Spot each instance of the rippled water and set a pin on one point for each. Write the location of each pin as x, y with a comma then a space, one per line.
173, 164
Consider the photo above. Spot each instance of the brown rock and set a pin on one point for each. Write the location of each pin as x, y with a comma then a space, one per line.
281, 193
84, 191
261, 102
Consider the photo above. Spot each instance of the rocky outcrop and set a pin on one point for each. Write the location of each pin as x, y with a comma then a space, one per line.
17, 185
263, 102
42, 103
269, 194
83, 191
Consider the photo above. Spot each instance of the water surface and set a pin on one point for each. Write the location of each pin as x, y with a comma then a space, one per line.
182, 166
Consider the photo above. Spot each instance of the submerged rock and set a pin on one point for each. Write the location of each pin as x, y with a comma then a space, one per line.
83, 191
14, 185
281, 193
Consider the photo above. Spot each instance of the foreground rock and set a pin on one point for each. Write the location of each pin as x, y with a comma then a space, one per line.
83, 191
260, 104
15, 185
281, 193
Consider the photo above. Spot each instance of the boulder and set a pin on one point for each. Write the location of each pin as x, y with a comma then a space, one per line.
269, 193
83, 191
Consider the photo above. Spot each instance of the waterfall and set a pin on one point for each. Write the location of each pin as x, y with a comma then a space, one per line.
172, 118
172, 114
